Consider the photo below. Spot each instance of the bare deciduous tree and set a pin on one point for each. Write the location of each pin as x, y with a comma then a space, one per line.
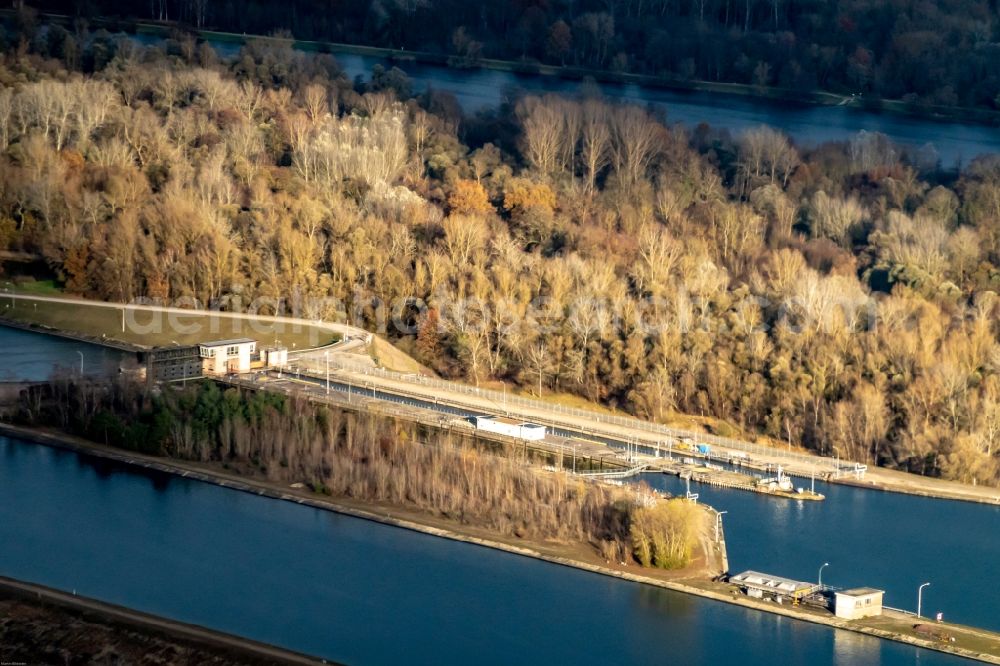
543, 132
636, 141
595, 141
834, 218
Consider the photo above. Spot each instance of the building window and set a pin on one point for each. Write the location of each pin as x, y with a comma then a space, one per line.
233, 351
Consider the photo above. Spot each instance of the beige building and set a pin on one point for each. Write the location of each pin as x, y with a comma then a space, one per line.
274, 357
227, 356
857, 603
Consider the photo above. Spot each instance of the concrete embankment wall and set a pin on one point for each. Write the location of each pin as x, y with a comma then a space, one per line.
79, 337
194, 634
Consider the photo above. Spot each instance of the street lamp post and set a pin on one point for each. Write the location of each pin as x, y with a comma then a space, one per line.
825, 564
326, 355
920, 597
718, 524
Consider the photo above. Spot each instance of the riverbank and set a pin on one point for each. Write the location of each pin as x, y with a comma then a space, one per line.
43, 625
140, 326
974, 644
764, 93
163, 30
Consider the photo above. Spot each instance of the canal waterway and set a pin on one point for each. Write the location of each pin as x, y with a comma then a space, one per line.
870, 538
34, 357
361, 592
143, 540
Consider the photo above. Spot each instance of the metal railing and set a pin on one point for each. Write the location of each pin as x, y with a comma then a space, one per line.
899, 610
619, 474
506, 403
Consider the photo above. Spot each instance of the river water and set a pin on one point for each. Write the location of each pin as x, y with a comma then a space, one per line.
885, 540
360, 592
953, 144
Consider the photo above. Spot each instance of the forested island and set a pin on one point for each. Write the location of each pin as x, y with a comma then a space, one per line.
380, 461
842, 297
937, 53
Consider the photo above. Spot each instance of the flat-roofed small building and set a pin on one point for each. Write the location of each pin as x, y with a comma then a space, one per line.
858, 602
765, 586
510, 427
225, 356
274, 357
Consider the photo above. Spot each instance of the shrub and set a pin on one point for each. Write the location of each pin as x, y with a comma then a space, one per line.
664, 535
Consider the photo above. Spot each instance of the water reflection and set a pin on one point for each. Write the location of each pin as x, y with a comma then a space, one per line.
850, 648
665, 602
104, 469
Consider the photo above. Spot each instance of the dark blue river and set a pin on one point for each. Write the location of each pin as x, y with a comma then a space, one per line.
360, 592
884, 540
